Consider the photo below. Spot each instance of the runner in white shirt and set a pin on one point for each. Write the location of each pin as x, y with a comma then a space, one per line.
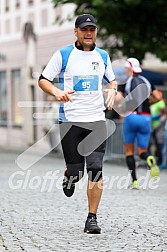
82, 68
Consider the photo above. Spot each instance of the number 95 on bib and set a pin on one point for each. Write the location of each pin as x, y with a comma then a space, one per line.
85, 84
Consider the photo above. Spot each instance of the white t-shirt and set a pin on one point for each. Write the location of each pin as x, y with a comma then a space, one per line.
83, 73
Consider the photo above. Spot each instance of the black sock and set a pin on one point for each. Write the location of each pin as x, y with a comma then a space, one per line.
132, 166
91, 215
144, 155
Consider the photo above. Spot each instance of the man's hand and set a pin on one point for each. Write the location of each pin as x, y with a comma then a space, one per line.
111, 93
62, 96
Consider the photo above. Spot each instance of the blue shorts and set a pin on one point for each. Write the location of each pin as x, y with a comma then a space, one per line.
137, 129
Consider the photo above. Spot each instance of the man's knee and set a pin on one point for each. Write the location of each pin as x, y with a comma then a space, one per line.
94, 175
94, 166
75, 172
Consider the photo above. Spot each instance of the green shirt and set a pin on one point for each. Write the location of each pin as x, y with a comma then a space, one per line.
155, 111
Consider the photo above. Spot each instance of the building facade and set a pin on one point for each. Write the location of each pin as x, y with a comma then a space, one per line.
29, 36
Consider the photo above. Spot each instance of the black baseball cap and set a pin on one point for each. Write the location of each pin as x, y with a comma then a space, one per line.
85, 20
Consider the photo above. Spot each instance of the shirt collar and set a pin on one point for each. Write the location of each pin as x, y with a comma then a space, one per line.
80, 47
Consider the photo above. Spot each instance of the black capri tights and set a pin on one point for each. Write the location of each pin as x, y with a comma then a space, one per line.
83, 143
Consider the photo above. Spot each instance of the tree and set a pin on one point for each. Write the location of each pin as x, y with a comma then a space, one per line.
133, 27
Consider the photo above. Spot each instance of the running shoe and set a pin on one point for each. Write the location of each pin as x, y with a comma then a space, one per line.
68, 186
154, 169
91, 226
134, 185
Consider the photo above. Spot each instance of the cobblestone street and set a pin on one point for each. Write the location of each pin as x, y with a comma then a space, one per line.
36, 216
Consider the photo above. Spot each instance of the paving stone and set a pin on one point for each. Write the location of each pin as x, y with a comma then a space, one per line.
38, 217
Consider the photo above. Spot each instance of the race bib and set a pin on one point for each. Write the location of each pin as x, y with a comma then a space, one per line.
85, 84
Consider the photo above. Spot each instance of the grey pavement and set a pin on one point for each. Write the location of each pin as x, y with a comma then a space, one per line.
35, 215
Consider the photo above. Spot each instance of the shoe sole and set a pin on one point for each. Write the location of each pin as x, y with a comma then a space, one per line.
69, 192
134, 188
137, 187
92, 231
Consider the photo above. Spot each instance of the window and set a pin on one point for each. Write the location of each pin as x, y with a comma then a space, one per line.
31, 18
17, 4
18, 24
7, 26
7, 5
44, 18
17, 117
3, 98
30, 2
